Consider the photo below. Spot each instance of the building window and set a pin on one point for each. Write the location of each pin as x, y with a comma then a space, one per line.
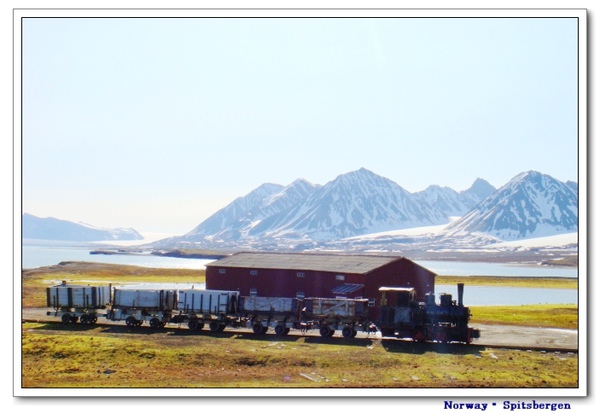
254, 272
222, 271
371, 303
253, 292
300, 274
340, 277
299, 295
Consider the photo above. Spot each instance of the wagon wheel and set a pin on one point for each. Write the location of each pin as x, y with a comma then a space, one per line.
74, 319
257, 328
348, 331
131, 321
214, 326
84, 319
265, 329
325, 331
280, 330
154, 323
65, 318
193, 324
93, 319
354, 333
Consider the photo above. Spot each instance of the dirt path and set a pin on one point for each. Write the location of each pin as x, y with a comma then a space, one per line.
527, 337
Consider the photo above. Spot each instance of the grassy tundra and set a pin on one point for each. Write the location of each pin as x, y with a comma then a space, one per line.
84, 356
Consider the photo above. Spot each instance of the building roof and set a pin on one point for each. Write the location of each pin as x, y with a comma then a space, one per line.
354, 264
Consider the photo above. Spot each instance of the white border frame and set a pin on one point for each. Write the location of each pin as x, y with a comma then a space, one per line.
580, 14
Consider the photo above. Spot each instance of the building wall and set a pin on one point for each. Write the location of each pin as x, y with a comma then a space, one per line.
400, 273
279, 282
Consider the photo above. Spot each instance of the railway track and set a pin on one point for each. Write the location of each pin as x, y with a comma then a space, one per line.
492, 336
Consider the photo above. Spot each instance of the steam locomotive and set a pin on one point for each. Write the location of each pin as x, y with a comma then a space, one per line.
398, 314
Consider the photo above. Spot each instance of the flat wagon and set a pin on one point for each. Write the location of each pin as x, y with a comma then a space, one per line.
74, 303
137, 305
197, 307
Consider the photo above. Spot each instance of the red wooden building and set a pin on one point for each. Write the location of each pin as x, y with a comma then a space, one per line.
316, 275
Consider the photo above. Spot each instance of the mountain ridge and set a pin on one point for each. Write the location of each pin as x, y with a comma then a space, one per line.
361, 202
50, 228
346, 212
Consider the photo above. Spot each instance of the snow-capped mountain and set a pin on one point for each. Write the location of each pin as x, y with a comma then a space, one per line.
480, 190
453, 203
530, 205
355, 203
573, 186
237, 220
62, 230
362, 203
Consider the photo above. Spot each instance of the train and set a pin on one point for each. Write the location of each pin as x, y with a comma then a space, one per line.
398, 314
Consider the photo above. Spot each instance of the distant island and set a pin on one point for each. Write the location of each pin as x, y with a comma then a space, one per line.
178, 253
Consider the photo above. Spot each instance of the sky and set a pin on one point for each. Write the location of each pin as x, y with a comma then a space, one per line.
157, 123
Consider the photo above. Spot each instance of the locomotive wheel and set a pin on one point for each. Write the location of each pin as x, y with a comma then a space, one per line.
325, 331
214, 326
281, 330
348, 332
257, 328
418, 336
388, 333
65, 318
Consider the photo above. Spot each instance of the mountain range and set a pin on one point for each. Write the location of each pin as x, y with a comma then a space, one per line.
359, 203
361, 210
49, 228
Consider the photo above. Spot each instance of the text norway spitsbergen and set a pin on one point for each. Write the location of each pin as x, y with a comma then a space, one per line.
507, 405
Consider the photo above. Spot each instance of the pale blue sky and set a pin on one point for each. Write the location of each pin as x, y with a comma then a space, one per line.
156, 124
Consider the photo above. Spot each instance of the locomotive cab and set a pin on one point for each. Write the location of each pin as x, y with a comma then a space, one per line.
397, 296
397, 308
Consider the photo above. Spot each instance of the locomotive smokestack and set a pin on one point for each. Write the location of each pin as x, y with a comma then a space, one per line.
461, 289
